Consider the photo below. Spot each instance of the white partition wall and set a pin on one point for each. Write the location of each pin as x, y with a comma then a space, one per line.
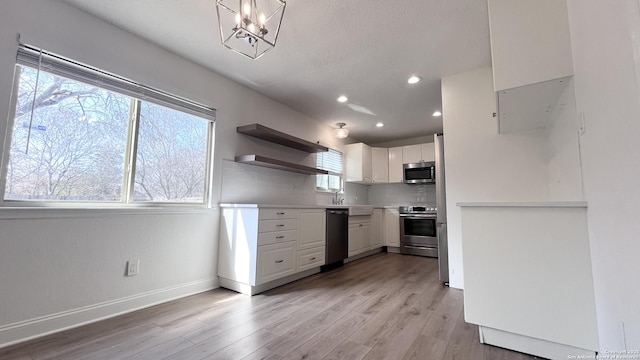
528, 280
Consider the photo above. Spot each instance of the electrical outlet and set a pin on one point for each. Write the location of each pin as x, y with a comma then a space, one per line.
133, 266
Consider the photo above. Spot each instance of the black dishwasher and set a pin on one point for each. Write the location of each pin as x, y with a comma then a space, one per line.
337, 236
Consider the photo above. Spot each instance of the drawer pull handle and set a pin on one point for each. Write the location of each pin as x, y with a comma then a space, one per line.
313, 258
280, 213
280, 225
280, 237
279, 261
361, 224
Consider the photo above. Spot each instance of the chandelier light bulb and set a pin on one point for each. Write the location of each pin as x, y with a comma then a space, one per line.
247, 10
262, 19
251, 27
238, 19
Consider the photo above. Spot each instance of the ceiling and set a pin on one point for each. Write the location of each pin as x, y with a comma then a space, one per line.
364, 49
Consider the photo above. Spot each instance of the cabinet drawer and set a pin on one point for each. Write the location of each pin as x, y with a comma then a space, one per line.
272, 214
277, 225
275, 261
310, 258
356, 220
273, 237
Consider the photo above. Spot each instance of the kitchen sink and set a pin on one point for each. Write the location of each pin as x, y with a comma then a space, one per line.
360, 210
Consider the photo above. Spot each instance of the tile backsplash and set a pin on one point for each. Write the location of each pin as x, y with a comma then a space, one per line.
402, 194
243, 183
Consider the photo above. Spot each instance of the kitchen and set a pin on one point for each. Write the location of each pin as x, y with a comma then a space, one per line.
63, 255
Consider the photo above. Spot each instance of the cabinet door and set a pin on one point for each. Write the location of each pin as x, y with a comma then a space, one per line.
525, 50
376, 236
395, 165
428, 152
365, 229
411, 154
366, 163
391, 227
311, 230
380, 165
354, 239
357, 162
275, 261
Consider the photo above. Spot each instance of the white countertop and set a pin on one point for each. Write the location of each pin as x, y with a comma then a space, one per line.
283, 206
575, 204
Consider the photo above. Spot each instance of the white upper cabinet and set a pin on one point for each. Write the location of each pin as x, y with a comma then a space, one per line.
530, 42
358, 162
411, 154
418, 153
380, 165
395, 164
531, 59
428, 152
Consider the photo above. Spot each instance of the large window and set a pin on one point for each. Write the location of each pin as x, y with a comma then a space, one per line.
332, 162
82, 135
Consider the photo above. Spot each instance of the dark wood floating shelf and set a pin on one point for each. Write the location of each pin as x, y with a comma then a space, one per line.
263, 161
274, 136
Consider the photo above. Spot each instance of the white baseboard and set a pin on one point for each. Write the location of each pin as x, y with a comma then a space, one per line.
253, 290
533, 346
45, 325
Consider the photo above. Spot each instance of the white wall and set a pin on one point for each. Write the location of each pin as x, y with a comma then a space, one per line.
482, 165
565, 174
74, 266
605, 39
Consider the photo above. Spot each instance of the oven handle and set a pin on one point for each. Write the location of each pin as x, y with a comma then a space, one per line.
413, 217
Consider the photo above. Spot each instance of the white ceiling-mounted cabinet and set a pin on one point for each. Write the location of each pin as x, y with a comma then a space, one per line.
358, 163
418, 153
395, 164
380, 165
531, 59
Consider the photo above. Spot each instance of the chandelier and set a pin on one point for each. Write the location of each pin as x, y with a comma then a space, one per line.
250, 27
341, 132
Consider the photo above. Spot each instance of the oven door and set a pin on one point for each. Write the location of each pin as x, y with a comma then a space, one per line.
418, 235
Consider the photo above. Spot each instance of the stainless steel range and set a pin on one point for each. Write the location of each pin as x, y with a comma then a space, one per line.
423, 229
418, 230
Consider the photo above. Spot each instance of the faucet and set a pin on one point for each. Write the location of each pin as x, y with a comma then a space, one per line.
337, 200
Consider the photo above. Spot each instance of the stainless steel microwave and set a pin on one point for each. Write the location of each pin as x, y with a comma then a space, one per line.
420, 173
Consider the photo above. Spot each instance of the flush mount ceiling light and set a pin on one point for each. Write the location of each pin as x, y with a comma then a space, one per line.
437, 113
414, 79
341, 132
342, 99
379, 124
250, 27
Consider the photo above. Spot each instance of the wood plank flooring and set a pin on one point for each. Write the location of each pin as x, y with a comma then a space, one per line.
386, 306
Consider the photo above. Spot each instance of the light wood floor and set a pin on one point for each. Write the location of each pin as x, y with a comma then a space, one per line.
386, 306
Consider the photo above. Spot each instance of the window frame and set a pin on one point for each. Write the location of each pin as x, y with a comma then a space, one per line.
341, 174
130, 151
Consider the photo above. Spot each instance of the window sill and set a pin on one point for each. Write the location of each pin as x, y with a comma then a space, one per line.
25, 213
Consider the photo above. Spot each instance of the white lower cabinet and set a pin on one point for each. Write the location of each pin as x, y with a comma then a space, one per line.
311, 258
261, 248
275, 261
359, 234
391, 227
376, 240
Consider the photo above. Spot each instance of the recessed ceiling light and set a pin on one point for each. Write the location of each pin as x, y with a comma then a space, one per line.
437, 113
414, 79
342, 99
379, 124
